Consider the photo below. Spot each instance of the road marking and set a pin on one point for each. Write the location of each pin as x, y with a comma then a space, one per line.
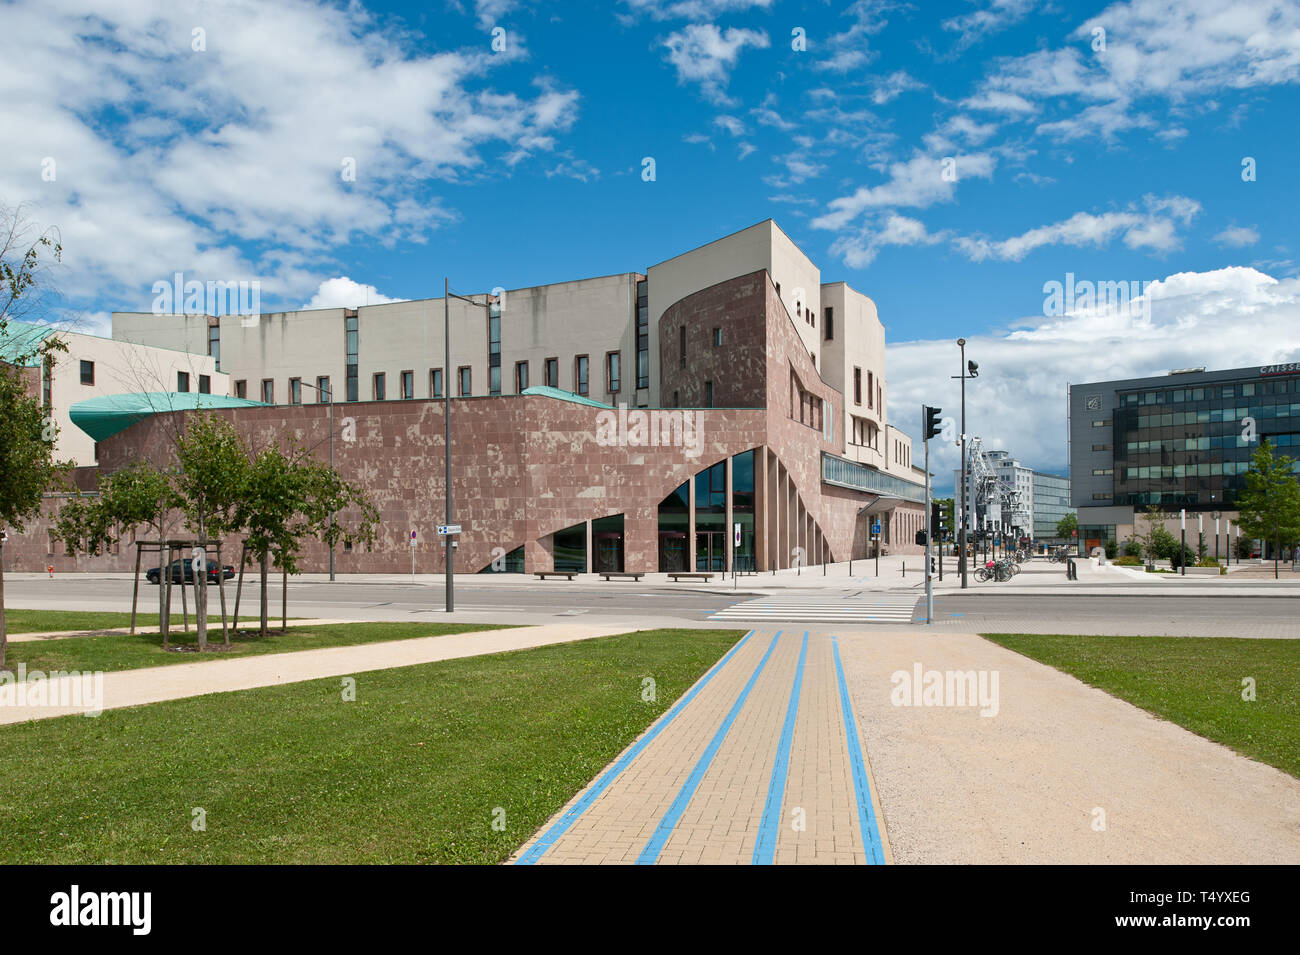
669, 821
765, 845
861, 786
562, 825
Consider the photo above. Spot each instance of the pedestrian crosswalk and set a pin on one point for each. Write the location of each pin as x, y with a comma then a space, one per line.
862, 607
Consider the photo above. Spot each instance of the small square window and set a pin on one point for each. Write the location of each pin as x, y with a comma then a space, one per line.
182, 381
87, 372
205, 384
717, 338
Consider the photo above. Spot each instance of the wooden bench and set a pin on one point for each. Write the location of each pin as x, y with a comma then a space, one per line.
621, 576
678, 577
543, 574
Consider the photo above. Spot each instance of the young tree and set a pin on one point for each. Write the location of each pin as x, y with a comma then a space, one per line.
1270, 505
136, 496
211, 479
27, 433
1157, 543
291, 497
1066, 526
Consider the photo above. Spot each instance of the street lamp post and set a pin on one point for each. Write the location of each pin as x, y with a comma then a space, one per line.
449, 539
328, 395
968, 370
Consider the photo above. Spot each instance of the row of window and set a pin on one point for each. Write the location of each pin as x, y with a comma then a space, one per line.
873, 389
406, 385
1213, 392
1234, 415
87, 371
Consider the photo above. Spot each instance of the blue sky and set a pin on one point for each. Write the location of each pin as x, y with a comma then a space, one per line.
1114, 161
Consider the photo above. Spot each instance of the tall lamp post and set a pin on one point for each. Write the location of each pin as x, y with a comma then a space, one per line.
328, 396
968, 370
449, 539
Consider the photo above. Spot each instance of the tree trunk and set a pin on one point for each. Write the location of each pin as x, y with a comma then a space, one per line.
265, 559
162, 598
1277, 552
4, 631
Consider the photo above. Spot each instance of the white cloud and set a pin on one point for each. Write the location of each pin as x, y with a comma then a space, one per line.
998, 101
1154, 226
919, 182
1237, 236
730, 124
995, 16
893, 85
860, 249
243, 145
490, 12
703, 54
1251, 319
850, 49
697, 10
342, 292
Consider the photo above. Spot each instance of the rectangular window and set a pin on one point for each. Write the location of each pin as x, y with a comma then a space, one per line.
205, 384
642, 336
408, 385
677, 400
378, 386
857, 386
241, 389
323, 395
352, 346
295, 391
47, 382
87, 372
613, 372
708, 394
465, 390
268, 391
683, 345
182, 381
829, 324
494, 349
214, 345
871, 385
435, 382
552, 372
717, 338
521, 377
580, 374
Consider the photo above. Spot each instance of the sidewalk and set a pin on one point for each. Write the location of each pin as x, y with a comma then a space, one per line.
155, 684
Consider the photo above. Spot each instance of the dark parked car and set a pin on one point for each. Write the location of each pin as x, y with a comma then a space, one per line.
186, 567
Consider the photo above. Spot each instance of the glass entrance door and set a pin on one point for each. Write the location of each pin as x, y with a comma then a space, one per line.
710, 551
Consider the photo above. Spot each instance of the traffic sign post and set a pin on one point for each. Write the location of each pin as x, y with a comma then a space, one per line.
412, 556
875, 540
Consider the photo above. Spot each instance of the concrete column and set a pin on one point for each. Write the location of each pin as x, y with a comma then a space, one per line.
591, 557
760, 508
773, 513
729, 536
690, 524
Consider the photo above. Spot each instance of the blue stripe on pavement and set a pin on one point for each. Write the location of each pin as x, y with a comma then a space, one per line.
861, 787
666, 825
765, 846
562, 825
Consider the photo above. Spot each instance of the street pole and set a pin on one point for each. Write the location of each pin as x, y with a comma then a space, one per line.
1182, 554
329, 393
1216, 538
929, 583
448, 539
961, 553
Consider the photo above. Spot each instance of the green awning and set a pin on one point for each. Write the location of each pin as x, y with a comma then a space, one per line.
21, 339
106, 415
547, 391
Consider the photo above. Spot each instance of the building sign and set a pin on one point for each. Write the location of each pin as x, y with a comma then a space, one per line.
1290, 368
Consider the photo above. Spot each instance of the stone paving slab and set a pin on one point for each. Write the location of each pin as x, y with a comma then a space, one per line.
699, 786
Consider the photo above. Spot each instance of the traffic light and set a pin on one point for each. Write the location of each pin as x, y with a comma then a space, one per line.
932, 426
920, 538
936, 521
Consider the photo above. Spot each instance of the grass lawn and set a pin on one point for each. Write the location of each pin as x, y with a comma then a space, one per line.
53, 621
410, 772
1195, 682
120, 651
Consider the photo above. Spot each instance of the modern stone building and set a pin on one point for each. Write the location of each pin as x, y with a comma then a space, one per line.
722, 409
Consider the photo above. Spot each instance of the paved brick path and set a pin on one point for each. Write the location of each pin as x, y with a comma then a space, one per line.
754, 764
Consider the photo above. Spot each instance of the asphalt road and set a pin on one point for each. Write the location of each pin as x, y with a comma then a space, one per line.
1236, 613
